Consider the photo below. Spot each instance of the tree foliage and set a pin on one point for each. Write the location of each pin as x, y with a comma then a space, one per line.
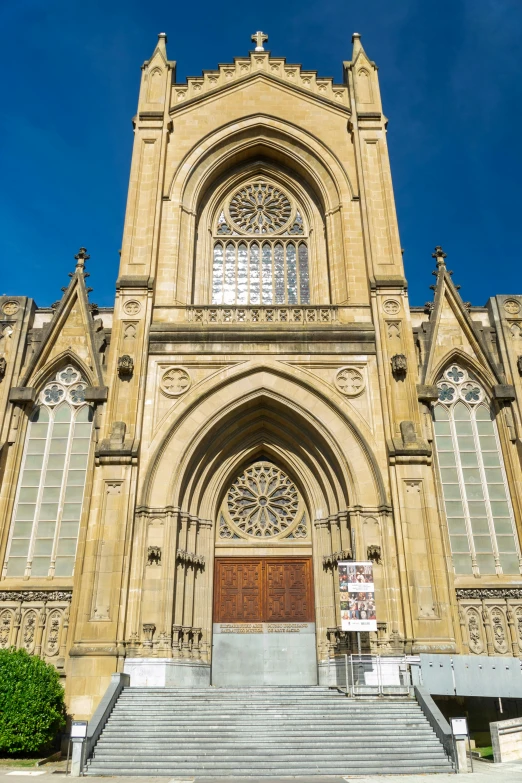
32, 710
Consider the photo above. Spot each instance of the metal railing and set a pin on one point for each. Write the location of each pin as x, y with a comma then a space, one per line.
376, 675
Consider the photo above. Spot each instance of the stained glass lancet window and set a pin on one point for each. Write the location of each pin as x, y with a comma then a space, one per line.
478, 507
50, 492
260, 250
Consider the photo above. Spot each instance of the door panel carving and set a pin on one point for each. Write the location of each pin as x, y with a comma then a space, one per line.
255, 590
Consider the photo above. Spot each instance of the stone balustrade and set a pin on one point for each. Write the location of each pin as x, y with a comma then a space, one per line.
207, 314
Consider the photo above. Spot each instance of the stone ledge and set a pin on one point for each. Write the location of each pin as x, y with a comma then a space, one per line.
96, 394
427, 393
310, 338
504, 392
22, 395
135, 281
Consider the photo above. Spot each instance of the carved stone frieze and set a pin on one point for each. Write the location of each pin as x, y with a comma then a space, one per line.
495, 593
36, 595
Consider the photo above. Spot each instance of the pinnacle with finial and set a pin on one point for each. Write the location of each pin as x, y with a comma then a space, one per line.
81, 257
259, 39
440, 255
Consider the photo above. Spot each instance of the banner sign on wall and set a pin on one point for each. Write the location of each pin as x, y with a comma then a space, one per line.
357, 594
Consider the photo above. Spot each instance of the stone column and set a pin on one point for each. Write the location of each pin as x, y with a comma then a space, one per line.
323, 585
203, 594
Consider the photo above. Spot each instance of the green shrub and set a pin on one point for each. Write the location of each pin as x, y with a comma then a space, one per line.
32, 710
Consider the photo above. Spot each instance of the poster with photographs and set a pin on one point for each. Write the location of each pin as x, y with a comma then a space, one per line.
357, 594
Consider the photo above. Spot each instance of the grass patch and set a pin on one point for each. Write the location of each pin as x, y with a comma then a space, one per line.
18, 762
486, 753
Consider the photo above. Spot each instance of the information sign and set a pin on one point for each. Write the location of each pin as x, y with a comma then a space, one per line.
459, 727
357, 596
78, 729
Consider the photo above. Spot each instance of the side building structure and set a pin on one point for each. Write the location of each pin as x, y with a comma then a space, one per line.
181, 474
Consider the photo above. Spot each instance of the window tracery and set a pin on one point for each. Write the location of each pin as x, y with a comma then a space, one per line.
50, 490
260, 254
262, 502
476, 496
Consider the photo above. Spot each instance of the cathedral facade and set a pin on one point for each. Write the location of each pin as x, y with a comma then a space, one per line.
182, 473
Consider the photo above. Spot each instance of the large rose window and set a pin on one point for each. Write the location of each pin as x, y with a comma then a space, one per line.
263, 502
260, 208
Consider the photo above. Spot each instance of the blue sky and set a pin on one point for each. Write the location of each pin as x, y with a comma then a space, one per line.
451, 87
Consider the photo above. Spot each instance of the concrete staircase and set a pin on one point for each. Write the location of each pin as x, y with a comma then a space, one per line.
263, 731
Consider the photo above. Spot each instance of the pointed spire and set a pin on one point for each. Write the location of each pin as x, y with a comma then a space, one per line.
357, 45
161, 46
81, 257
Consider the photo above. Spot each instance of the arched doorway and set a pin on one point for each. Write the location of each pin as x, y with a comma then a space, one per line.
263, 608
259, 413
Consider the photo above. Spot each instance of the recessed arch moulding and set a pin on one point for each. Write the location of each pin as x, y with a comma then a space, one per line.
193, 461
257, 147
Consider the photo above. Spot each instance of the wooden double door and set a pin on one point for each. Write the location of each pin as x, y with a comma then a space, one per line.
263, 590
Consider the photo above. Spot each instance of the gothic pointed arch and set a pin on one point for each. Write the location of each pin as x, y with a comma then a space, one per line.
261, 405
299, 161
62, 360
487, 375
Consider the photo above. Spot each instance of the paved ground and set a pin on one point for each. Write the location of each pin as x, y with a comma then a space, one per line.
484, 772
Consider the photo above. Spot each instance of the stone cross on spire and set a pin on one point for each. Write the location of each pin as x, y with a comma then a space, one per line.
259, 39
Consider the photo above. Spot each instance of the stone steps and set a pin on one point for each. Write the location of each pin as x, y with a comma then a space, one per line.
263, 732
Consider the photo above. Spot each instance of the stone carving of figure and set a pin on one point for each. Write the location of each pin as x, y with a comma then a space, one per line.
474, 633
